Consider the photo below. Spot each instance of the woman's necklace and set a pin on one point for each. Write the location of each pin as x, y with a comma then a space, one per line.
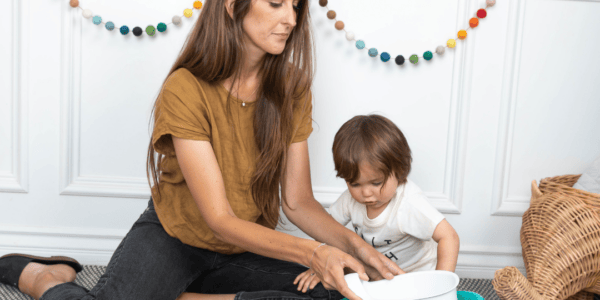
250, 97
414, 59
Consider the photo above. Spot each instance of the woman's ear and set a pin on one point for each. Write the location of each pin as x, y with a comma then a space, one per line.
229, 7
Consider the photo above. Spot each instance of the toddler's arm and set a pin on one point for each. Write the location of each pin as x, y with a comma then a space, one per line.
448, 245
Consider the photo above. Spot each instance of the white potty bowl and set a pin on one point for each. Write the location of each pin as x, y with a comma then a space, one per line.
430, 285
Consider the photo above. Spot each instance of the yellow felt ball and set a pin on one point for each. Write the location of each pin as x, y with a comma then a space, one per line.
188, 12
197, 4
451, 43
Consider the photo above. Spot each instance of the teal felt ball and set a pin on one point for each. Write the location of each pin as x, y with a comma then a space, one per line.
110, 26
97, 20
360, 44
373, 52
428, 55
162, 27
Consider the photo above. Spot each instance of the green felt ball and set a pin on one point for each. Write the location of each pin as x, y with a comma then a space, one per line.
414, 59
150, 30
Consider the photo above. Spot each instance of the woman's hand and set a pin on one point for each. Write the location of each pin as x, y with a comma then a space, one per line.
329, 262
307, 280
377, 265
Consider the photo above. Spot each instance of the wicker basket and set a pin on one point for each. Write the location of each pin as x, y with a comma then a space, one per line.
560, 240
564, 184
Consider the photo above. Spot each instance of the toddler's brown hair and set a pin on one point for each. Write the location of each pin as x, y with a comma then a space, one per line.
373, 139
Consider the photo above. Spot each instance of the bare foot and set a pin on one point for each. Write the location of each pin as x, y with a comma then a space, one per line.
38, 278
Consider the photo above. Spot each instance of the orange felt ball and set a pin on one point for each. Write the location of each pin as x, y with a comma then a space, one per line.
197, 4
74, 3
462, 34
473, 22
339, 25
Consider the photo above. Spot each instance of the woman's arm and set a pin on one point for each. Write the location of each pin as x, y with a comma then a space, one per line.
205, 181
448, 246
301, 208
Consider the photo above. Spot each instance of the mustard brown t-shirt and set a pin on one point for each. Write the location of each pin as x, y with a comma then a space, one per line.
189, 108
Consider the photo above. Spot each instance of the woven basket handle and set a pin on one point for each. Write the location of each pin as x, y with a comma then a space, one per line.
535, 191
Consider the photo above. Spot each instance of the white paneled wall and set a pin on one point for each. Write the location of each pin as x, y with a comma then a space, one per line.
13, 109
516, 101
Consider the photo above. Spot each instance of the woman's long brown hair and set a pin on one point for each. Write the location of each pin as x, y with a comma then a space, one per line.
213, 52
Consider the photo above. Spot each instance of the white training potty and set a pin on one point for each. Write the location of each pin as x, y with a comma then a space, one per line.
430, 285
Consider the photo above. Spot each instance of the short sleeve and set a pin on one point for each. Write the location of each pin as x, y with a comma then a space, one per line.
417, 217
180, 111
340, 209
304, 125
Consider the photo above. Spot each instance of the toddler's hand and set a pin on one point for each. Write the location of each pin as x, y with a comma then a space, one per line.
307, 280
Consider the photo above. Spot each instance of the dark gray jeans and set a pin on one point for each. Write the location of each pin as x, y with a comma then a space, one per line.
150, 264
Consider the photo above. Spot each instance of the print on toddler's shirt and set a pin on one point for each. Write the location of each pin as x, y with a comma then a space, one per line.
389, 255
403, 232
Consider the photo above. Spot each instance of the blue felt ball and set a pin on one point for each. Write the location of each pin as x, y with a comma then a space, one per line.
124, 30
385, 56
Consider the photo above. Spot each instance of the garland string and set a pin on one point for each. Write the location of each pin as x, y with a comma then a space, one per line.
137, 31
414, 58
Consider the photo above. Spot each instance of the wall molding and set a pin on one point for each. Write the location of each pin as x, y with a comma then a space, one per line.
92, 246
71, 181
17, 179
450, 199
95, 246
502, 203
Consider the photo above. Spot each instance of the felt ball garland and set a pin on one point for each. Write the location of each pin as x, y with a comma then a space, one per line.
414, 58
137, 31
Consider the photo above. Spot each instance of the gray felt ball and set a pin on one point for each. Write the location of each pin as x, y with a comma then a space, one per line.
440, 50
176, 20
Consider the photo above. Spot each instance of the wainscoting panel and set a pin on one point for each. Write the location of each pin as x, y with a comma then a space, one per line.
514, 102
13, 107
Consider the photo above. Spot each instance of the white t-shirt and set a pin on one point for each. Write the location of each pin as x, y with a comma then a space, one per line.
402, 232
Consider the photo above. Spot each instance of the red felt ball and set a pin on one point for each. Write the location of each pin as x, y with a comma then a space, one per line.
481, 13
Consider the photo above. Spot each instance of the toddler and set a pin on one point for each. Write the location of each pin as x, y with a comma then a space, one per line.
385, 208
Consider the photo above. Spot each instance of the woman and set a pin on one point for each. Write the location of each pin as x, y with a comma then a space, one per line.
230, 127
